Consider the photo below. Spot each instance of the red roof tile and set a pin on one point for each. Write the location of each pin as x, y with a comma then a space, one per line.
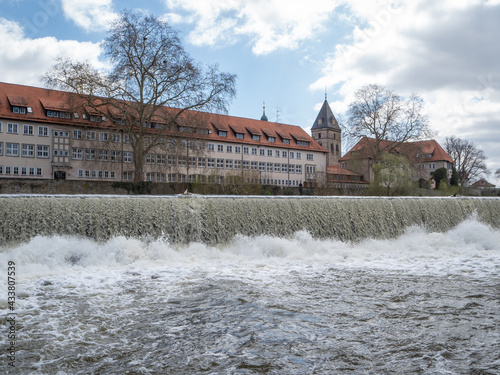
62, 101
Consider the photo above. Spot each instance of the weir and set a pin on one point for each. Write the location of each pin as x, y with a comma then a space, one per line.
217, 219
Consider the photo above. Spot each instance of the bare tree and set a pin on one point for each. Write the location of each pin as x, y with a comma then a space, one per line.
382, 115
470, 162
153, 87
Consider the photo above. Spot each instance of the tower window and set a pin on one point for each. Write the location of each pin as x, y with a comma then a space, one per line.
319, 135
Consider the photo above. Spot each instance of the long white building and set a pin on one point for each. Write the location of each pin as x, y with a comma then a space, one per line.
42, 137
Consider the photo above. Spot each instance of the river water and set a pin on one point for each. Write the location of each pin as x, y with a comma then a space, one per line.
421, 303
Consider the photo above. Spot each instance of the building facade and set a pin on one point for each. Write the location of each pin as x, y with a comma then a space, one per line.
43, 137
424, 157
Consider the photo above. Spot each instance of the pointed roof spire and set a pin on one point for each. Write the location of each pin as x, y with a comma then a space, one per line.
325, 118
264, 117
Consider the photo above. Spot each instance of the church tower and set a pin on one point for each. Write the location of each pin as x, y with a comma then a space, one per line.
326, 131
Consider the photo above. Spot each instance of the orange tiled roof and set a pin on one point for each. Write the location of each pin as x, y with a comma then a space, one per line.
41, 99
426, 151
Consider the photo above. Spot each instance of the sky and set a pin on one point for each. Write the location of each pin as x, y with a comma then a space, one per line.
289, 54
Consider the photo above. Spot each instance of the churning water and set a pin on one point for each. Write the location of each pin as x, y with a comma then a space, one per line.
421, 301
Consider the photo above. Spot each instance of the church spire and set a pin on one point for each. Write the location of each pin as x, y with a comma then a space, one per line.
325, 118
264, 117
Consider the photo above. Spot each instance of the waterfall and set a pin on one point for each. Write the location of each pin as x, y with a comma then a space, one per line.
217, 219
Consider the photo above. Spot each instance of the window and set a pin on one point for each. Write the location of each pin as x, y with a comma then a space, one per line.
61, 134
229, 148
254, 165
128, 157
103, 155
246, 164
220, 148
150, 159
28, 151
254, 150
1, 127
239, 135
127, 176
116, 137
262, 166
15, 171
229, 164
28, 130
222, 133
220, 163
262, 152
43, 131
310, 169
39, 171
160, 159
32, 171
42, 151
171, 160
77, 154
277, 153
269, 152
12, 149
237, 149
89, 154
21, 110
291, 154
12, 128
237, 164
291, 168
115, 156
181, 161
277, 167
7, 170
95, 118
256, 137
310, 156
77, 134
23, 171
246, 150
299, 155
271, 139
61, 153
192, 161
298, 169
211, 147
90, 135
126, 138
284, 154
103, 136
302, 143
211, 163
286, 141
284, 168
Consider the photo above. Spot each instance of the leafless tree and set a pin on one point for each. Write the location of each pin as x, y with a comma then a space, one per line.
382, 115
470, 162
153, 87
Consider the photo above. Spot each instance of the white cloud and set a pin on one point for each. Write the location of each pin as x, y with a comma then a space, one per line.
91, 15
447, 52
269, 24
24, 60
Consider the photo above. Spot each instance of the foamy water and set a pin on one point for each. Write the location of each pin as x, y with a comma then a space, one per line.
421, 303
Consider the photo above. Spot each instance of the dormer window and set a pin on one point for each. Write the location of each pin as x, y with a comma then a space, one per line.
256, 137
271, 139
222, 133
20, 110
239, 135
286, 141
